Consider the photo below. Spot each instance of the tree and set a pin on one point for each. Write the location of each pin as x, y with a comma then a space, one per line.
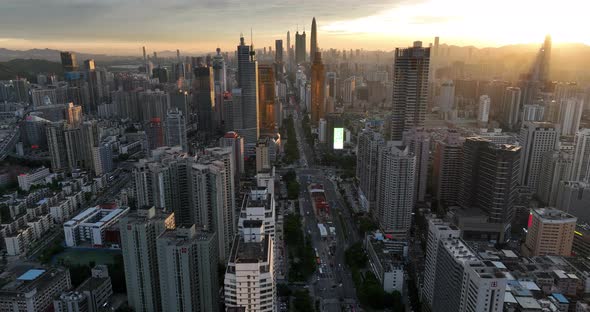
302, 301
355, 256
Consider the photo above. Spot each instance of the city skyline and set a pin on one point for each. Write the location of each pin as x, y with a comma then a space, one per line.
378, 24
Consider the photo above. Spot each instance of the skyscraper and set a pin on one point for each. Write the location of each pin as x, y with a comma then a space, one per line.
483, 109
204, 98
366, 168
395, 188
489, 179
248, 81
570, 115
155, 133
187, 262
300, 47
68, 61
73, 114
446, 168
536, 139
556, 167
234, 141
581, 165
318, 89
266, 98
56, 143
410, 89
139, 230
175, 129
279, 51
314, 41
94, 85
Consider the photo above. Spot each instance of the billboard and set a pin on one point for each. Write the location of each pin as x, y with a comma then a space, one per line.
338, 138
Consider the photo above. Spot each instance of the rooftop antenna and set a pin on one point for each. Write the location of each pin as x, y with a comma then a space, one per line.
251, 38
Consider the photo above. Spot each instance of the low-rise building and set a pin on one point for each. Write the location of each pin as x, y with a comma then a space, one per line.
386, 260
37, 176
89, 226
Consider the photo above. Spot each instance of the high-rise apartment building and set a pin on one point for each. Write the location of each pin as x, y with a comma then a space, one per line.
73, 114
249, 278
463, 282
155, 133
551, 233
511, 107
446, 99
437, 230
234, 141
266, 98
318, 89
418, 140
366, 168
56, 143
187, 262
139, 232
483, 109
396, 180
446, 168
556, 166
259, 204
489, 179
248, 81
300, 48
570, 115
536, 139
175, 128
279, 51
410, 89
204, 98
581, 165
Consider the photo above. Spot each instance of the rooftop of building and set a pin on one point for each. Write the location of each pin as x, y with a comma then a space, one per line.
459, 250
183, 235
551, 214
250, 252
25, 278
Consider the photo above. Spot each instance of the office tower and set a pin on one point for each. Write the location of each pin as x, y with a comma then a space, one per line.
181, 100
56, 143
204, 98
437, 230
248, 81
155, 133
318, 89
212, 180
94, 85
544, 63
175, 128
396, 189
483, 109
536, 139
570, 115
556, 166
279, 51
551, 232
220, 85
463, 282
266, 98
234, 141
418, 140
366, 168
446, 168
489, 179
300, 48
446, 99
410, 89
289, 45
259, 204
139, 231
68, 61
187, 262
581, 165
249, 278
511, 107
496, 90
314, 41
73, 114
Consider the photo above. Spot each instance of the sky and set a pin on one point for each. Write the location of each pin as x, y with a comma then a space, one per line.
122, 27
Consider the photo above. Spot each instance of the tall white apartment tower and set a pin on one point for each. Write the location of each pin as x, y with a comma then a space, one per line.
437, 230
536, 139
395, 188
250, 284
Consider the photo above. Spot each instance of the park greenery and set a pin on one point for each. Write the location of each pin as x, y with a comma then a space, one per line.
290, 178
302, 262
291, 150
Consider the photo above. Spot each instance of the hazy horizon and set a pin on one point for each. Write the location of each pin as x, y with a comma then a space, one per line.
123, 27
